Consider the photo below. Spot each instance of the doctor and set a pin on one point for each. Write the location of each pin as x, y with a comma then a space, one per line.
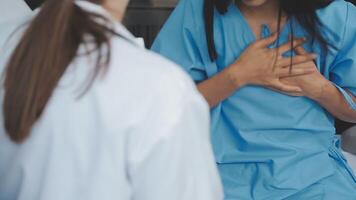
89, 114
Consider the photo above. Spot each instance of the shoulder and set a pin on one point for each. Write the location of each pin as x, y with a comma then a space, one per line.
12, 29
191, 4
152, 86
336, 18
149, 63
189, 12
11, 32
337, 10
149, 72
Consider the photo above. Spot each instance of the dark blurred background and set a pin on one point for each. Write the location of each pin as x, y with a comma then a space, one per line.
145, 18
33, 4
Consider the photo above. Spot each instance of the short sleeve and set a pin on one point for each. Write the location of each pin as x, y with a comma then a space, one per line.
343, 70
181, 38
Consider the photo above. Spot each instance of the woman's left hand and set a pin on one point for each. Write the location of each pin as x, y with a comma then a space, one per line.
311, 84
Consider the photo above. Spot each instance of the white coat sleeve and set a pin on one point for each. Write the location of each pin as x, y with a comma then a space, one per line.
178, 163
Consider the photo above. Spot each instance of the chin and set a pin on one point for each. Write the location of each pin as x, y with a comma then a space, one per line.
254, 3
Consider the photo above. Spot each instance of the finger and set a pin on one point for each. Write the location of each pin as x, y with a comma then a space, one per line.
287, 72
267, 41
296, 70
293, 94
288, 46
300, 50
283, 62
285, 88
307, 65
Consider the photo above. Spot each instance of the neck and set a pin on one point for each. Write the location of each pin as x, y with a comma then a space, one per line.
267, 12
114, 8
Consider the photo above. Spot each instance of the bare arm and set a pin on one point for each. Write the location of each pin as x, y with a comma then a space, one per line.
334, 102
220, 87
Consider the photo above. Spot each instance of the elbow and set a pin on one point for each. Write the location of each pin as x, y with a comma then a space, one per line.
348, 116
352, 119
349, 113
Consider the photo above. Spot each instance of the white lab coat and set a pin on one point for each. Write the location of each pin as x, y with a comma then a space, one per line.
14, 13
140, 133
13, 9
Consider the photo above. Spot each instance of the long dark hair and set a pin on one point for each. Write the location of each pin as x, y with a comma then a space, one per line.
303, 10
46, 49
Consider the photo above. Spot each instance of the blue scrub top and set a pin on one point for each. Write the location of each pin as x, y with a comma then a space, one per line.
269, 145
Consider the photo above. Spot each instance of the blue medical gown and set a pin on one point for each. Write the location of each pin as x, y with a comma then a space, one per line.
269, 145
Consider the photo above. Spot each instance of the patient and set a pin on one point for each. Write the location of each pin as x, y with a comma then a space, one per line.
275, 73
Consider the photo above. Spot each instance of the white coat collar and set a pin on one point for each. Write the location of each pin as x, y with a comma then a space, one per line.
118, 27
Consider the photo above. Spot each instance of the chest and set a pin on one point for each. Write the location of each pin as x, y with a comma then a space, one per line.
233, 34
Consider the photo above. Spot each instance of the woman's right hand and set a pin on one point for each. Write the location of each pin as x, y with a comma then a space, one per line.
260, 65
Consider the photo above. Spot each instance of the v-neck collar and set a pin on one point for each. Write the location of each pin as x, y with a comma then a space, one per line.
265, 28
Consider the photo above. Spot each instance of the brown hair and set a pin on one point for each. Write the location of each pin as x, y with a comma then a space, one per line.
46, 49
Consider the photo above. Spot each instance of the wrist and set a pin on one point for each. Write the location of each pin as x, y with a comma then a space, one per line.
235, 75
319, 94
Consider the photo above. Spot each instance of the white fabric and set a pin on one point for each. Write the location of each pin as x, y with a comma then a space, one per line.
14, 13
11, 9
351, 159
140, 133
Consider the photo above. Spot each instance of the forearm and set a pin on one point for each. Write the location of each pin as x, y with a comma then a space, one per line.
221, 86
333, 101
